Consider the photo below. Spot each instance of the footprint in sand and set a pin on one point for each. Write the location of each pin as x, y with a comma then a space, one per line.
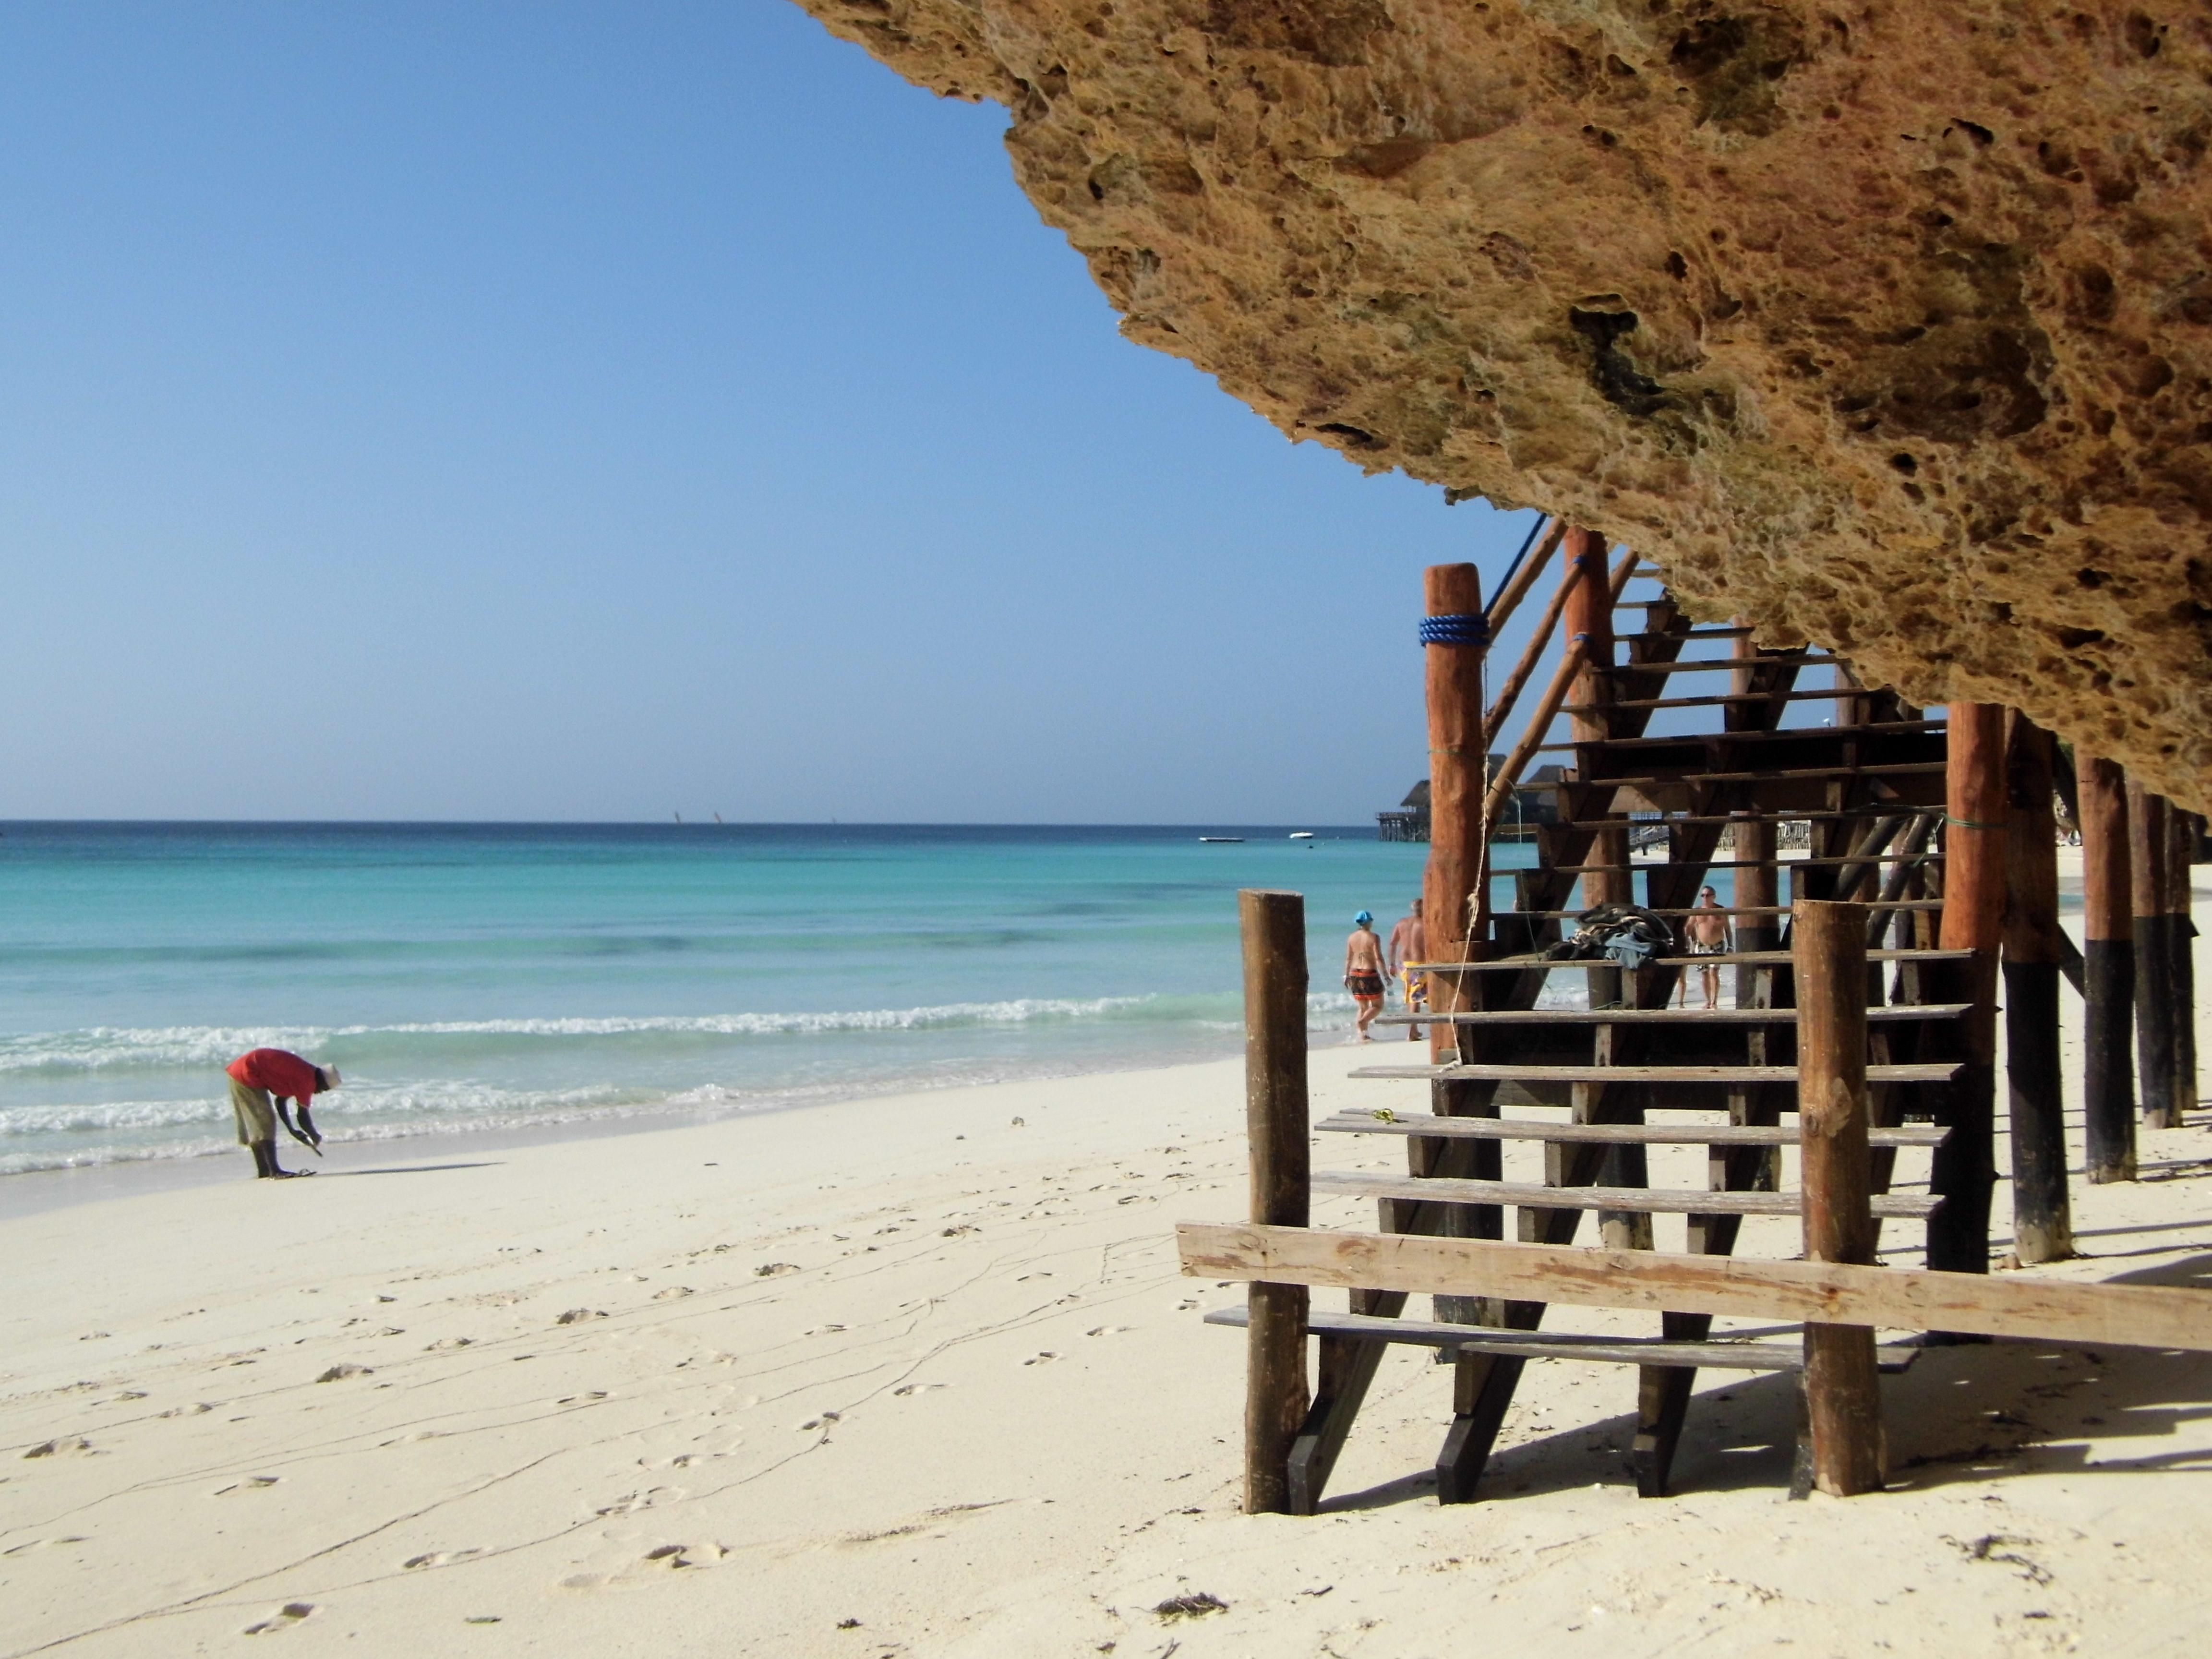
283, 1618
198, 1409
252, 1482
438, 1559
1106, 1330
578, 1316
451, 1342
919, 1387
672, 1293
63, 1446
339, 1373
1040, 1358
45, 1544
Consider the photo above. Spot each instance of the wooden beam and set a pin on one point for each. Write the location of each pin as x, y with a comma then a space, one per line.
1888, 1298
2042, 1216
1275, 1115
1501, 710
1628, 1200
1974, 843
1934, 1071
1507, 599
1649, 1134
2149, 895
1457, 765
1842, 1394
2182, 830
2108, 970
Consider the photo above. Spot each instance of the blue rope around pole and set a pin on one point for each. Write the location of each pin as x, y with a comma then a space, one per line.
1466, 628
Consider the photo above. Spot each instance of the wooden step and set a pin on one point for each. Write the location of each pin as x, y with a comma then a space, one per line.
1640, 1200
1609, 1134
1721, 699
1723, 1355
1762, 958
1668, 821
1757, 775
1753, 739
1728, 910
1709, 665
1888, 1011
1736, 864
1506, 1072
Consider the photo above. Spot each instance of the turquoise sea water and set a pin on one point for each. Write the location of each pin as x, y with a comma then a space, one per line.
471, 978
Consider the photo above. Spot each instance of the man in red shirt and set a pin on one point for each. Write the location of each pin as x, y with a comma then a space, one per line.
260, 1082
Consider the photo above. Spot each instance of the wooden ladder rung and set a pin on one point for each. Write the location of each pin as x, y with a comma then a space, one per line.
1669, 820
1888, 1011
1643, 1201
1721, 1355
1483, 1071
1756, 775
1608, 1134
1717, 665
1776, 735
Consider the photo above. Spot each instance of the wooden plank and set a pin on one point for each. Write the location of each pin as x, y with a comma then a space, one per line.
1755, 864
1730, 1076
1723, 1355
1775, 958
1765, 775
1633, 1201
1912, 1011
1842, 1394
1276, 1111
2108, 954
1453, 689
1733, 909
1724, 699
1889, 1299
1754, 740
2042, 1212
1713, 664
1649, 1134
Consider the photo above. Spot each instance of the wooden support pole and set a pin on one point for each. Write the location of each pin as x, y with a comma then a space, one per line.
2042, 1218
1501, 708
2148, 896
1275, 1118
1504, 603
2181, 833
1588, 622
1457, 763
2108, 971
1974, 844
1842, 1392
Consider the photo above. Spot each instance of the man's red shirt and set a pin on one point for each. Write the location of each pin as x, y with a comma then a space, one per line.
281, 1072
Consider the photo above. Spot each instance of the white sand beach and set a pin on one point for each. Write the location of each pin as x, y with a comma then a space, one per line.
918, 1375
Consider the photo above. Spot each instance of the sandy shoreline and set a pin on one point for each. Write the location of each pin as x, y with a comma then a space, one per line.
901, 1362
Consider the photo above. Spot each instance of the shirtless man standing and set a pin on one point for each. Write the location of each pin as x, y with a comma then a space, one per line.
1707, 929
1409, 942
1363, 970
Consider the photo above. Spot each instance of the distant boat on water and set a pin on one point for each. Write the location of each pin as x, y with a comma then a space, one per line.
1302, 835
1222, 841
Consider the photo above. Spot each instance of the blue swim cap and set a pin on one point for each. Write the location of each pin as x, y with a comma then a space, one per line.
1364, 916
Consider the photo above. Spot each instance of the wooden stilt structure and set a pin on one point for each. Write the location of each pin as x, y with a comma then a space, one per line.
2182, 832
1974, 843
1872, 1014
1275, 1114
2043, 1227
2108, 969
1842, 1393
2151, 894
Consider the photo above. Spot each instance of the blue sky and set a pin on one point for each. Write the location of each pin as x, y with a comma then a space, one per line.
559, 411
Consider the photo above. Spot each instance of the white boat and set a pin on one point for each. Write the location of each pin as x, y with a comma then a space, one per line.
1222, 840
1302, 835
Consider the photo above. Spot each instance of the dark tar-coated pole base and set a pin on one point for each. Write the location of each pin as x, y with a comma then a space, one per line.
2108, 1091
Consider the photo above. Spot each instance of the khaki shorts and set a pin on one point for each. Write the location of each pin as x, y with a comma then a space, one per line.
256, 1110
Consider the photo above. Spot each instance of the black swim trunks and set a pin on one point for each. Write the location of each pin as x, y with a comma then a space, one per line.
1363, 985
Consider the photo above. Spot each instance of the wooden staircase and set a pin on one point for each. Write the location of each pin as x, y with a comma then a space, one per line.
1585, 1080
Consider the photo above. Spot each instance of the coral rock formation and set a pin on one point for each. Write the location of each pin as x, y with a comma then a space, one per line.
1885, 325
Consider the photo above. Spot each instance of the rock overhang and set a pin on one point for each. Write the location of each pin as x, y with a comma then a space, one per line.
1886, 326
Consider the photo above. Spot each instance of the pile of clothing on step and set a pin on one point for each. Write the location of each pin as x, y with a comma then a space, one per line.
1627, 935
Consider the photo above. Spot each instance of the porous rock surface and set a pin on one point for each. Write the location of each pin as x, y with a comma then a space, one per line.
1885, 325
